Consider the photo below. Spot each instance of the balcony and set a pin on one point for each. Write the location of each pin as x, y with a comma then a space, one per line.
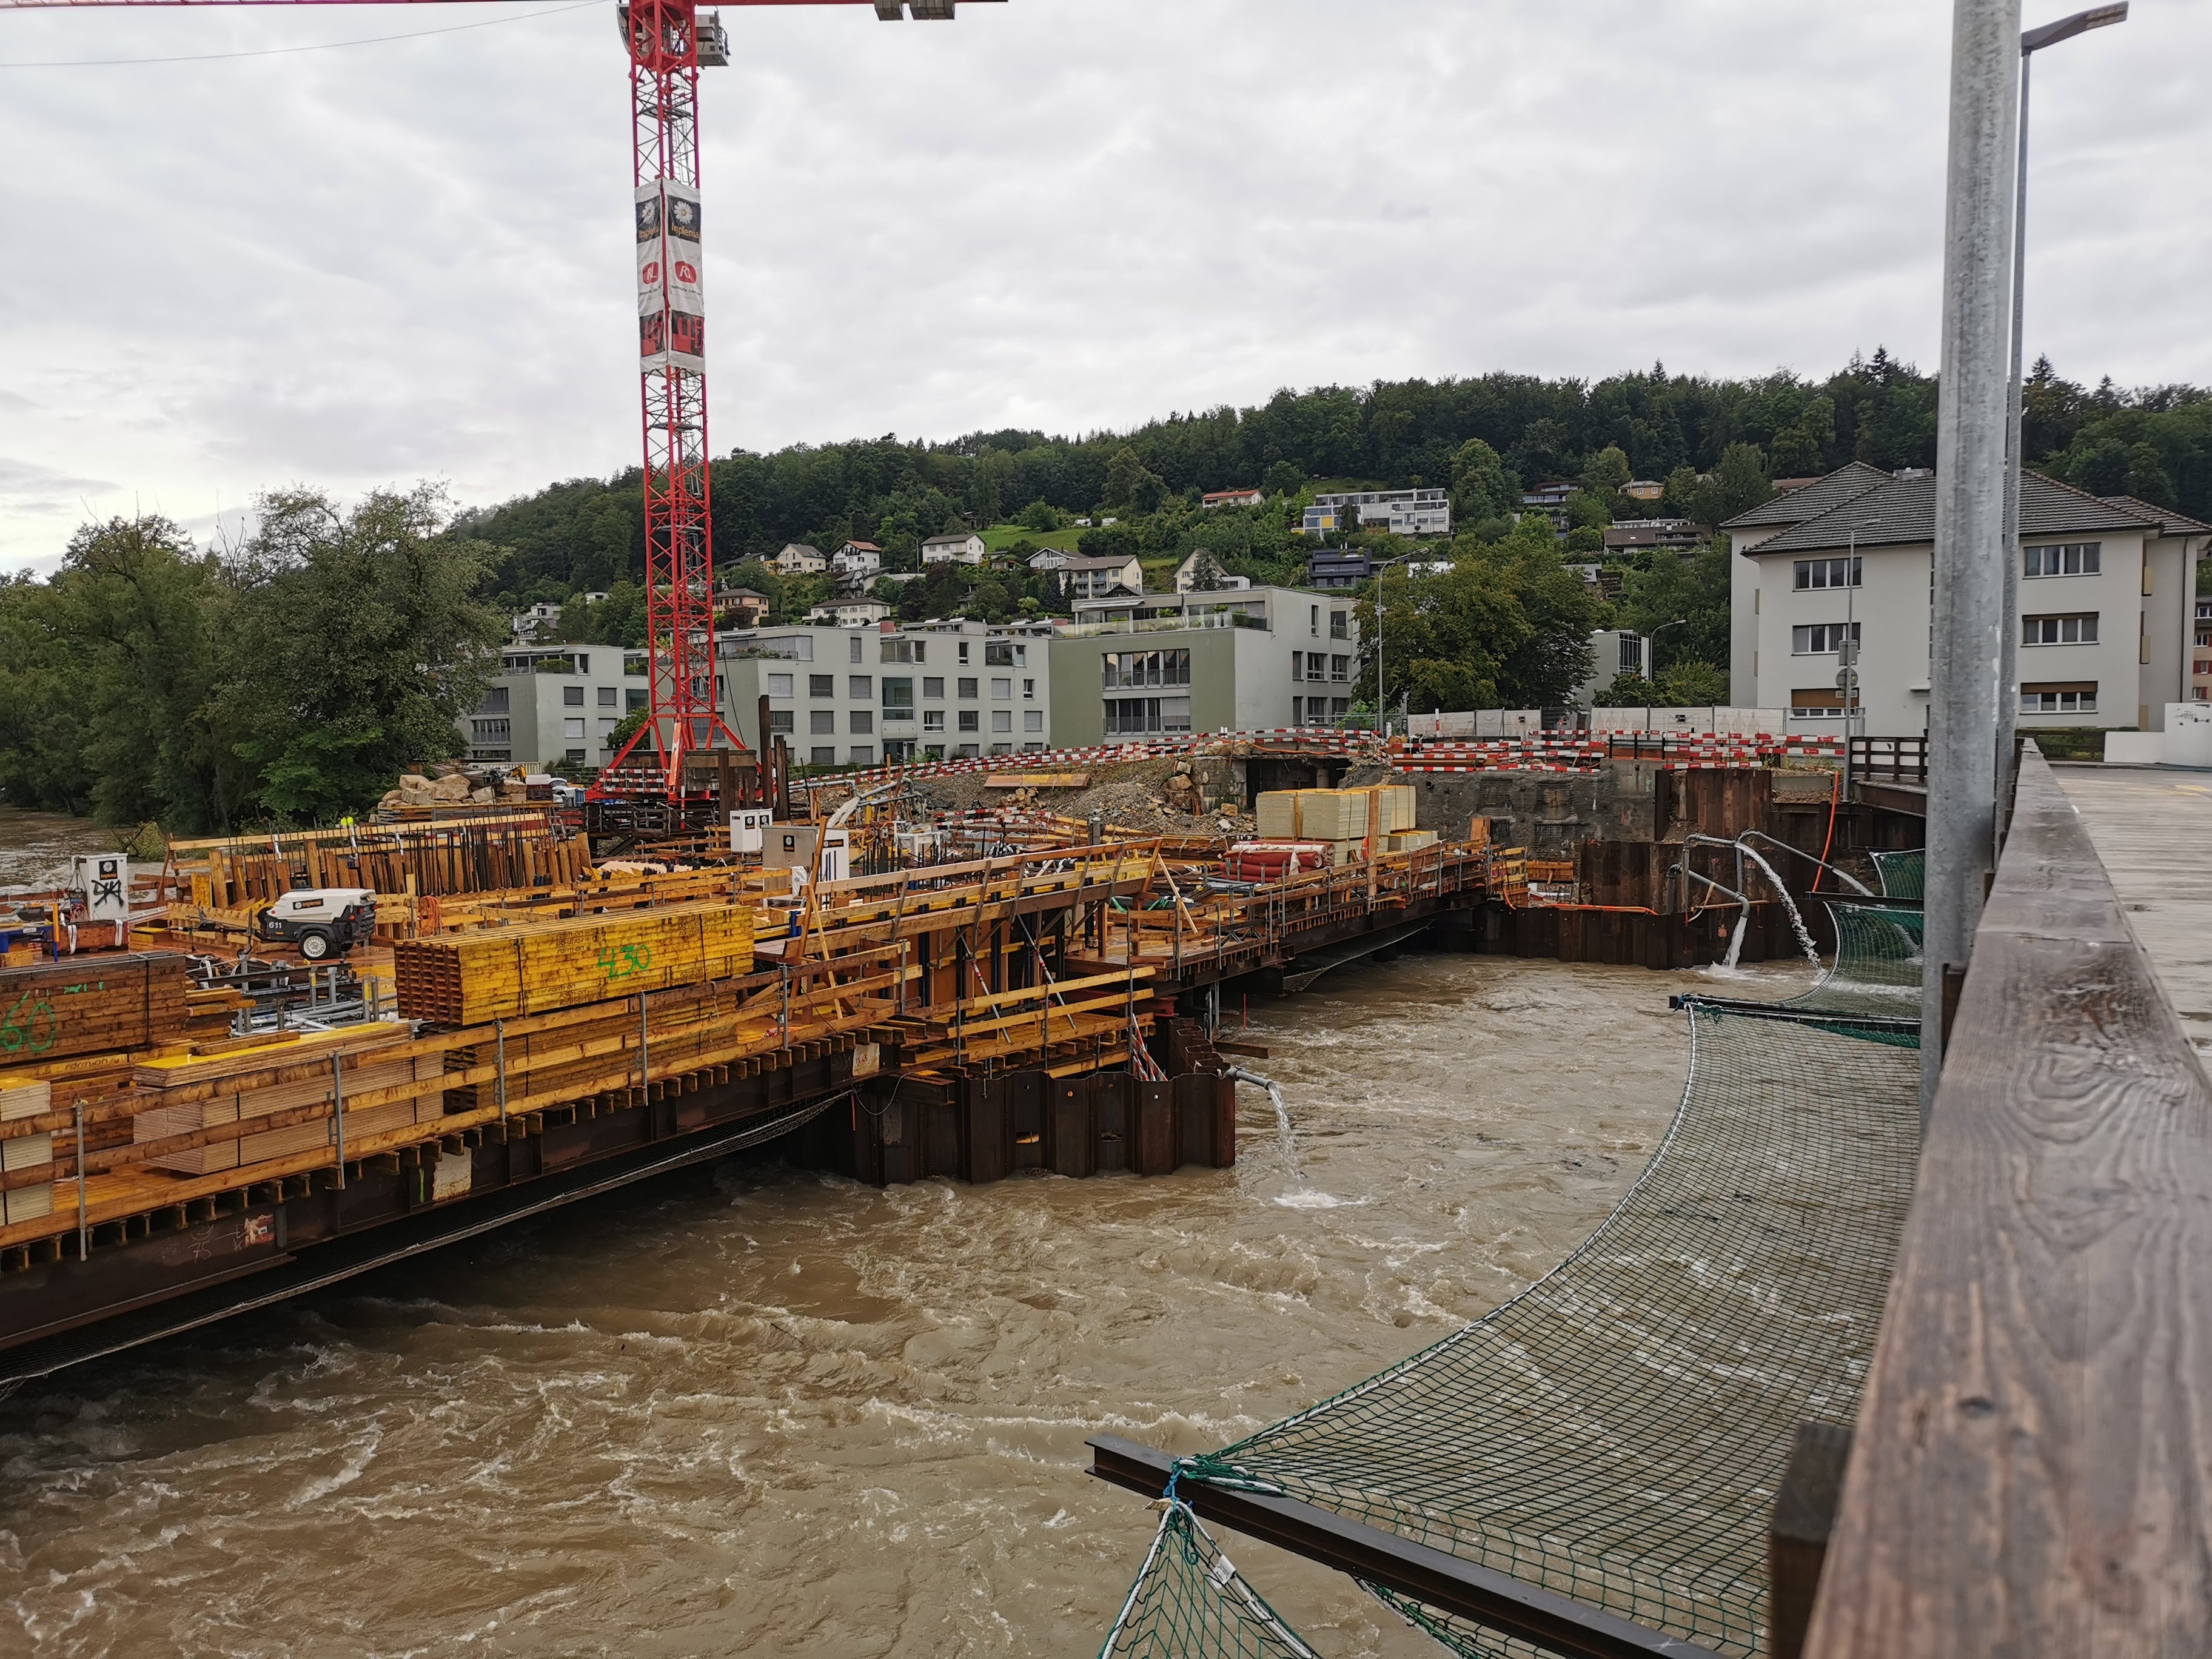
1202, 622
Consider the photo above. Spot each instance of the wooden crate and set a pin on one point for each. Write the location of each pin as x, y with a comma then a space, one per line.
91, 1005
468, 979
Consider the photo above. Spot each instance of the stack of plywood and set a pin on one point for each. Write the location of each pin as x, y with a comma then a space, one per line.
1410, 841
188, 1093
91, 1005
1339, 817
468, 979
25, 1153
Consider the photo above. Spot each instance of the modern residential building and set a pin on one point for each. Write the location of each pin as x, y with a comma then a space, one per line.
1400, 512
858, 563
1093, 579
2200, 655
1232, 498
1338, 569
1050, 558
2105, 603
799, 559
524, 624
1550, 499
555, 705
850, 613
860, 696
1613, 652
960, 547
1162, 664
1635, 535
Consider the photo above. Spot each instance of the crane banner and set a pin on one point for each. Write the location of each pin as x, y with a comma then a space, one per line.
672, 310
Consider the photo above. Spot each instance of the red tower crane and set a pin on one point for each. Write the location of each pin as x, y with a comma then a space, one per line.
669, 42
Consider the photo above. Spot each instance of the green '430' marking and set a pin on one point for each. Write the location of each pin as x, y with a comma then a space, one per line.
28, 1029
619, 961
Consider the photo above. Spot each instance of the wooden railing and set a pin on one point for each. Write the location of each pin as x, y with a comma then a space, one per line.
2030, 1470
1890, 760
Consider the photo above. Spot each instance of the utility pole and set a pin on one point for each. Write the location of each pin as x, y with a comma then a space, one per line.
1966, 665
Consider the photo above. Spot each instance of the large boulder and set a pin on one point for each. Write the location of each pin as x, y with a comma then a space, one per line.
453, 787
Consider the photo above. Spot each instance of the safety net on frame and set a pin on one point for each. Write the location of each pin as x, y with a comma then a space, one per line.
1614, 1432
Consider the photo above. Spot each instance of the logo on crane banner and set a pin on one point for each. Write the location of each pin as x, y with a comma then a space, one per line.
671, 310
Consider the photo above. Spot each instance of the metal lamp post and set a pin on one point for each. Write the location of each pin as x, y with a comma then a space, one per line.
2031, 42
1381, 718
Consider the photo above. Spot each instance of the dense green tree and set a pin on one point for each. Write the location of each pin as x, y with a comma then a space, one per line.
1737, 485
1659, 586
1039, 515
352, 642
1484, 488
1284, 478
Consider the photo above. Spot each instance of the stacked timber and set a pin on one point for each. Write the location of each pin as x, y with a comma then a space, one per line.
469, 979
1342, 817
57, 1009
280, 1098
19, 1152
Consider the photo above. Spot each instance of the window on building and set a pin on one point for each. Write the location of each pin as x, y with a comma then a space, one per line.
607, 723
1002, 690
862, 685
1002, 720
933, 751
508, 754
898, 751
574, 727
861, 719
855, 654
1298, 711
2066, 559
633, 700
1816, 702
2059, 698
1313, 620
481, 730
970, 720
933, 687
1032, 719
572, 696
608, 698
898, 697
1029, 691
1831, 572
967, 688
2078, 630
778, 685
575, 756
820, 722
495, 700
781, 720
968, 752
864, 754
821, 685
823, 756
1136, 717
905, 650
1337, 627
1339, 707
1340, 668
1004, 654
1818, 639
933, 719
1316, 666
963, 651
1133, 668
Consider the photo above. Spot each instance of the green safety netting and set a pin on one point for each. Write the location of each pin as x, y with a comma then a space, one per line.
1900, 873
1190, 1599
1876, 971
1614, 1432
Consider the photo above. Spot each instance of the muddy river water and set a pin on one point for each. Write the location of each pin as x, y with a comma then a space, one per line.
751, 1409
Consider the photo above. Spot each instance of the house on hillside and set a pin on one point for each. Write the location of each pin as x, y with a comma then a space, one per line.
1400, 512
1050, 558
524, 624
857, 563
1332, 572
1550, 499
1232, 498
1853, 553
850, 613
740, 607
1092, 579
958, 547
798, 559
1202, 573
1634, 535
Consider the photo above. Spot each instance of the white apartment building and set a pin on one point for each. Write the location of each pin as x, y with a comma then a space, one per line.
2105, 602
554, 705
799, 559
862, 697
964, 547
1400, 512
858, 563
850, 613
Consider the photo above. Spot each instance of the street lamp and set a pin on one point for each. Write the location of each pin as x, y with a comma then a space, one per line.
2031, 42
1381, 718
1651, 647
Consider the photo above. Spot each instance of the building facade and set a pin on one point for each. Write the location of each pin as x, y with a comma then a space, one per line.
964, 548
555, 706
863, 696
2106, 604
2200, 655
799, 559
1166, 664
1092, 579
858, 563
1400, 512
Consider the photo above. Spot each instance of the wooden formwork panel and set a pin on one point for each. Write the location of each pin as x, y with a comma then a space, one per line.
470, 978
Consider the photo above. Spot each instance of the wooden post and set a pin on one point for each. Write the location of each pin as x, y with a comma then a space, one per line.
1797, 1537
337, 1114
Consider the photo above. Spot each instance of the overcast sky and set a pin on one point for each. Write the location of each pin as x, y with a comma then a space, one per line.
411, 259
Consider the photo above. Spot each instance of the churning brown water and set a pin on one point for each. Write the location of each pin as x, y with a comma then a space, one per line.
755, 1410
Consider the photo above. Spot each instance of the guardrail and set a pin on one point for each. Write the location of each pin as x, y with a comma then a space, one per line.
1890, 760
2028, 1473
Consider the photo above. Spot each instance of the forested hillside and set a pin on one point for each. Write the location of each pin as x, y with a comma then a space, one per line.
586, 534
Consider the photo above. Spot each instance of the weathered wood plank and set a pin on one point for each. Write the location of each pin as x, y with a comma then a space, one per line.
2032, 1473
